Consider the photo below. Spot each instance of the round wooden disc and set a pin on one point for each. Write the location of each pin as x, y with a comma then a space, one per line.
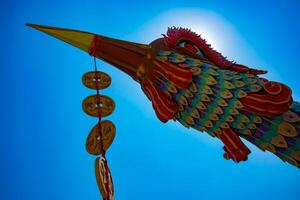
104, 179
107, 105
89, 80
93, 143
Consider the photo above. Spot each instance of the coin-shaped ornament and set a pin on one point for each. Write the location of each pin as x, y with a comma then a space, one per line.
90, 106
96, 80
104, 179
94, 141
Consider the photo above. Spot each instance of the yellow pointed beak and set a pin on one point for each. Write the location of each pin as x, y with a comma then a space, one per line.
127, 56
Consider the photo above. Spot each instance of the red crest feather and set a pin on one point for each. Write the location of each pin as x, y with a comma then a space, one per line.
175, 35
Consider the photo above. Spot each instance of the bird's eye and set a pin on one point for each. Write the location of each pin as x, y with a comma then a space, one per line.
181, 44
191, 47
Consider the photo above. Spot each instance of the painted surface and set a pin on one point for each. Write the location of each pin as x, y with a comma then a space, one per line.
44, 128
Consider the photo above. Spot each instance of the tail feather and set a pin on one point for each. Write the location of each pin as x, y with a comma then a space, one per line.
280, 135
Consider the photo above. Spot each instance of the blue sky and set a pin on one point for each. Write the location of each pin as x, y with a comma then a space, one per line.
43, 128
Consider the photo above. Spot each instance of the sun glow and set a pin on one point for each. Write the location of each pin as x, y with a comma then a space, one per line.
212, 27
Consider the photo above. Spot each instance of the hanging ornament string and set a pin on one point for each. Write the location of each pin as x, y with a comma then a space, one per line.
98, 102
107, 174
103, 133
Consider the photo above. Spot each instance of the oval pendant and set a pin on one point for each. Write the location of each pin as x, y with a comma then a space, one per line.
104, 179
94, 141
89, 80
90, 107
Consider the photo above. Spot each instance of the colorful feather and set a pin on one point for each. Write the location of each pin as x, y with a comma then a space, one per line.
214, 103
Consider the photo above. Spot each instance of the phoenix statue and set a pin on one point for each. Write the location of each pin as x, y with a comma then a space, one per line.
188, 81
